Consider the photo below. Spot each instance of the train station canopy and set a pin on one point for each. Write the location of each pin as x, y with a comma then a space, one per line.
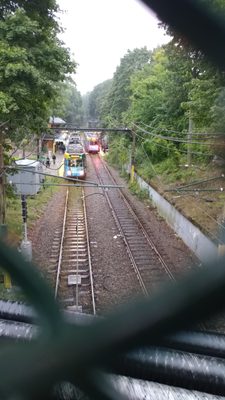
56, 121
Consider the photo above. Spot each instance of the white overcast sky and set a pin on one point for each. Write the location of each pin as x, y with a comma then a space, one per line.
99, 33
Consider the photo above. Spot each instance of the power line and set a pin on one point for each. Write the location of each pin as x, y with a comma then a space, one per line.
189, 195
208, 215
199, 182
150, 162
84, 184
172, 139
180, 151
210, 134
60, 177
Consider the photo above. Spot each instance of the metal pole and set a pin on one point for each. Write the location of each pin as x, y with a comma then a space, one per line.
190, 130
38, 148
26, 245
132, 156
2, 185
221, 246
77, 289
25, 231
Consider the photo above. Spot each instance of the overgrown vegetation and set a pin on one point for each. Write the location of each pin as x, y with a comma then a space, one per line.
171, 96
34, 65
35, 208
142, 194
119, 151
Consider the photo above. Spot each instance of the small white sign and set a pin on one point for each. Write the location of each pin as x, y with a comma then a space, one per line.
74, 280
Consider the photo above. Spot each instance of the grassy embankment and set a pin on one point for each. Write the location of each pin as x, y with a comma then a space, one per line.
35, 208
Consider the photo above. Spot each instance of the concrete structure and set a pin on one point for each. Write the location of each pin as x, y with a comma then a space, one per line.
200, 244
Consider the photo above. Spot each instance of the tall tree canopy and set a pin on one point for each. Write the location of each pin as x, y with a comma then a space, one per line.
97, 100
32, 62
41, 10
68, 104
119, 94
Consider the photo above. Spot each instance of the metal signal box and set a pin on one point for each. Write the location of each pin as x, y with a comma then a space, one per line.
26, 180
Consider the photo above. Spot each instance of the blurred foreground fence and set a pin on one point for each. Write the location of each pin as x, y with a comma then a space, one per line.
65, 352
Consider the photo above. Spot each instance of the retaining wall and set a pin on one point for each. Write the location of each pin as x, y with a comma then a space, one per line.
200, 244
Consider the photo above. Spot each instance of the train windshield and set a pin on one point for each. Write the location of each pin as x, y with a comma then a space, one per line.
76, 163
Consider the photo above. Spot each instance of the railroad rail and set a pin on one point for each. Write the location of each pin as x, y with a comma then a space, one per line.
149, 265
71, 259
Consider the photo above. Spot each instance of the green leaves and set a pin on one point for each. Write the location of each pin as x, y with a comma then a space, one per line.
32, 63
120, 91
67, 104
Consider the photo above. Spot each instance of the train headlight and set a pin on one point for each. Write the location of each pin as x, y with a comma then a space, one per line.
81, 173
69, 173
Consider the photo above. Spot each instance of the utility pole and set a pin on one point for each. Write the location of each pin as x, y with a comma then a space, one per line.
132, 161
190, 130
2, 187
221, 246
37, 148
24, 153
3, 226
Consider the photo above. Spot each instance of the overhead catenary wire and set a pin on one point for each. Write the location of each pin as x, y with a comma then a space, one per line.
199, 182
171, 138
79, 184
179, 132
19, 146
218, 239
181, 151
180, 192
142, 145
74, 180
195, 190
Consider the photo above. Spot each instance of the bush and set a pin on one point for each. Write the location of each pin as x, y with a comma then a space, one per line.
140, 193
119, 151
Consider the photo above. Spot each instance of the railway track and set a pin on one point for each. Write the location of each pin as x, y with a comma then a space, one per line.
149, 265
70, 258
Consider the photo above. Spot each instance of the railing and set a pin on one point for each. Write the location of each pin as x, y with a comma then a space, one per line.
72, 353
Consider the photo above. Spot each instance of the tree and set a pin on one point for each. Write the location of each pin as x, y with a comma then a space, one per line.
147, 100
97, 100
119, 94
68, 103
42, 11
32, 62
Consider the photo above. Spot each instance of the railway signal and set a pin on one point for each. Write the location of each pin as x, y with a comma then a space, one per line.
26, 245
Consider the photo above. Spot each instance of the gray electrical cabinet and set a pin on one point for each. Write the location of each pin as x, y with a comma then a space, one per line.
27, 180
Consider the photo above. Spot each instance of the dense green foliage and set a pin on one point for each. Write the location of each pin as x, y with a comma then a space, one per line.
170, 96
97, 100
68, 104
32, 63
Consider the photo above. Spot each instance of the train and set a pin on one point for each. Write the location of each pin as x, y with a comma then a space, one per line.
75, 138
75, 161
92, 143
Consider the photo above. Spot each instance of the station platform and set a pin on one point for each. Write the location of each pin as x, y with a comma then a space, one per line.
57, 168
